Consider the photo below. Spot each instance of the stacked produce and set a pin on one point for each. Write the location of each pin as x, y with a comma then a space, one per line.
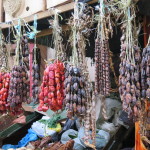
4, 88
75, 99
19, 89
52, 87
102, 80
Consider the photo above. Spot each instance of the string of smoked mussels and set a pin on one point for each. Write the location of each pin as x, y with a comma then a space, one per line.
145, 84
4, 76
19, 82
129, 85
52, 87
79, 95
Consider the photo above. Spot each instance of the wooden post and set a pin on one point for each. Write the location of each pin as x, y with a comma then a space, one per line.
1, 10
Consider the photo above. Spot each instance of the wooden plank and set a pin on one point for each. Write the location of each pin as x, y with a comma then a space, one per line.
45, 14
54, 3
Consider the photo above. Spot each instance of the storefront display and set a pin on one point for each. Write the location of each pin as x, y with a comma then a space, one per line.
64, 82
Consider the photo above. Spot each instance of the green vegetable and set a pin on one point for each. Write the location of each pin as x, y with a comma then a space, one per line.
52, 122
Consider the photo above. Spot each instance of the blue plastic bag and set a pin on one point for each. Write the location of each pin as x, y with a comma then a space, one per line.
30, 136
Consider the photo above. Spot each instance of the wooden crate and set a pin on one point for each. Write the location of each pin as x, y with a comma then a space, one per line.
27, 8
53, 3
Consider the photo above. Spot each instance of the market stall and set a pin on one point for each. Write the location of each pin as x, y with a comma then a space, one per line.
74, 75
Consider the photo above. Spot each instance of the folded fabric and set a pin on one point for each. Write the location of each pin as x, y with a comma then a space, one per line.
30, 136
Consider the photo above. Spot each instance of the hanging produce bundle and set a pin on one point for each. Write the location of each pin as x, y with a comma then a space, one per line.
145, 84
52, 88
80, 23
77, 72
75, 99
129, 85
145, 73
24, 54
19, 89
102, 80
4, 88
35, 76
102, 73
19, 82
77, 84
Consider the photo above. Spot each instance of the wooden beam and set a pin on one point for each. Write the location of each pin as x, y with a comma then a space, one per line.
45, 14
50, 31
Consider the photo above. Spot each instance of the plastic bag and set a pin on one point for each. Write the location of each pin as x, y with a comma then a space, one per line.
112, 111
70, 124
102, 138
68, 135
41, 130
72, 134
30, 136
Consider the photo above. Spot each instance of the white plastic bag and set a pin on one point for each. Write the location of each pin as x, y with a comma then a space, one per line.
41, 129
